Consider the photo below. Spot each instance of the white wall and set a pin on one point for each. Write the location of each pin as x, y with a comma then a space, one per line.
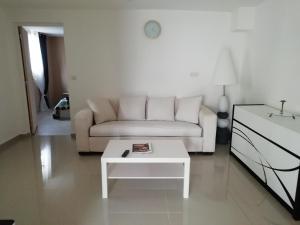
119, 59
107, 53
273, 64
9, 116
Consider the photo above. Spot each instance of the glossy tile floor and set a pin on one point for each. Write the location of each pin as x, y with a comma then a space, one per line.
43, 181
49, 126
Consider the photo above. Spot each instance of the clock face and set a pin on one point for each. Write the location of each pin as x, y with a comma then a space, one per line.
152, 29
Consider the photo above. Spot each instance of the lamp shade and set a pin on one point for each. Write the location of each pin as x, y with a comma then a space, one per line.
225, 73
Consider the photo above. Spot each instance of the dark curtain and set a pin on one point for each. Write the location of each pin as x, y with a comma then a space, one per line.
43, 43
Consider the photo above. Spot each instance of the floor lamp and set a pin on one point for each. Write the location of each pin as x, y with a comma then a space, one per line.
225, 74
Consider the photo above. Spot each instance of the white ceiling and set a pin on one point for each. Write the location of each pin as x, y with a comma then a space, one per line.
214, 5
52, 31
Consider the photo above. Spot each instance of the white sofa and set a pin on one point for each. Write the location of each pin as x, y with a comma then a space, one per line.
148, 121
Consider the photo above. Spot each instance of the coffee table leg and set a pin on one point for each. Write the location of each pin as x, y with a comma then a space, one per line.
104, 178
186, 179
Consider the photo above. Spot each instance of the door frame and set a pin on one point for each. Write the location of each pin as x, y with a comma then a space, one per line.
21, 63
28, 100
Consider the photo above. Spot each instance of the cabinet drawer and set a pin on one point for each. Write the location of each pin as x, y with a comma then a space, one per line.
276, 167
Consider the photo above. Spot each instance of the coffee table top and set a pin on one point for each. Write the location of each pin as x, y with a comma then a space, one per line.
162, 151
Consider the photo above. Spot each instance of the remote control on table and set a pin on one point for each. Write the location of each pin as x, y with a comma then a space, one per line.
125, 153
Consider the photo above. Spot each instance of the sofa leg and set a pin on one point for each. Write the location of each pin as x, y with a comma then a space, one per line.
201, 153
207, 153
89, 153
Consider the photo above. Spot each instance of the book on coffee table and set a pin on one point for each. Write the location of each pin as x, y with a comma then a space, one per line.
142, 148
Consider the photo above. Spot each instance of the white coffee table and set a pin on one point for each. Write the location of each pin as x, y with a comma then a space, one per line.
169, 160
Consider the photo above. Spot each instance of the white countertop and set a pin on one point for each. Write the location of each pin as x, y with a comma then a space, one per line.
263, 111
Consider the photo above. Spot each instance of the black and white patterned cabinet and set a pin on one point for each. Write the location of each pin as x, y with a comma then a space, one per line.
269, 147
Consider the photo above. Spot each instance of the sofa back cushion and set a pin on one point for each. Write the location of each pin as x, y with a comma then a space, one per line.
160, 108
132, 108
102, 110
187, 109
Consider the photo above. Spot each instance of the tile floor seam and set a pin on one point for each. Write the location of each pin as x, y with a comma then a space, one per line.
169, 219
167, 205
245, 214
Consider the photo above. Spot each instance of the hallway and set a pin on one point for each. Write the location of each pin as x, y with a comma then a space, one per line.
49, 126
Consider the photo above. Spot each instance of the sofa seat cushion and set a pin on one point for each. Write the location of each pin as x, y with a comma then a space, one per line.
146, 128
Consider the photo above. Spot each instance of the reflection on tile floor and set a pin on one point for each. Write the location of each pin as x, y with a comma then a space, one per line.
43, 181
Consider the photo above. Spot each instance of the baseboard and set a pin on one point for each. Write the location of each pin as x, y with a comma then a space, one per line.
12, 141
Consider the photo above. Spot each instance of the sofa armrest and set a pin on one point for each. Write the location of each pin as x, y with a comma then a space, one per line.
208, 122
83, 122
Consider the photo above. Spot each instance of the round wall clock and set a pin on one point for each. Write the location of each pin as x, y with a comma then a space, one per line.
152, 29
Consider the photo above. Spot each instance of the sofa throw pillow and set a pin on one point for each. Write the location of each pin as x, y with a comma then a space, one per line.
102, 110
160, 108
187, 109
132, 108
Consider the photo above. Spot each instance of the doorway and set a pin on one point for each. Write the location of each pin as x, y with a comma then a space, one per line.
45, 75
